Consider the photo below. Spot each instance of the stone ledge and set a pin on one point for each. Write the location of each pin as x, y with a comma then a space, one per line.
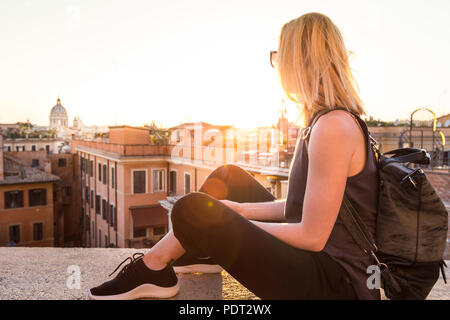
42, 273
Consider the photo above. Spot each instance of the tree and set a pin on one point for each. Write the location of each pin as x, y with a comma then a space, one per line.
158, 136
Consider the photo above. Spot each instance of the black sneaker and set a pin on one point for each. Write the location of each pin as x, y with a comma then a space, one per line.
189, 264
136, 281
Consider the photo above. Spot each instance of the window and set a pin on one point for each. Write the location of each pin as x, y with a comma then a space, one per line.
97, 204
62, 162
139, 181
33, 147
92, 199
158, 181
37, 197
105, 176
37, 231
13, 199
99, 172
99, 238
159, 231
34, 163
115, 218
47, 148
14, 234
86, 194
113, 178
106, 240
139, 233
187, 183
82, 164
66, 191
91, 168
93, 231
111, 215
104, 209
173, 182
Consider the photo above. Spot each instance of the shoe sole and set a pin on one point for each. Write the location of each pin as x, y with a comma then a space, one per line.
198, 268
143, 291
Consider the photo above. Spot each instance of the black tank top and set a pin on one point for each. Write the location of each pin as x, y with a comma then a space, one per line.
362, 191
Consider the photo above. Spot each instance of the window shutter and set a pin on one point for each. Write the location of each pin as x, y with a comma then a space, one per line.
139, 181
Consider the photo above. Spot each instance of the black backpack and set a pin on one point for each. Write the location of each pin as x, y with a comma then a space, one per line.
412, 223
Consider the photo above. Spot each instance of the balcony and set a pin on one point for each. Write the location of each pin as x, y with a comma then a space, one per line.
43, 273
124, 149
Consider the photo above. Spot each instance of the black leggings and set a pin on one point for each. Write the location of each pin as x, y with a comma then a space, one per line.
268, 267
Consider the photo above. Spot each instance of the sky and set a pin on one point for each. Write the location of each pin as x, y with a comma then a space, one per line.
133, 62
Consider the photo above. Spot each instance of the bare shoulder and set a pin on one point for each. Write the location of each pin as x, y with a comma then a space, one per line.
336, 123
337, 127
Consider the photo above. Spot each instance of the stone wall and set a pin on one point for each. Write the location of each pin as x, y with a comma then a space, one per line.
46, 272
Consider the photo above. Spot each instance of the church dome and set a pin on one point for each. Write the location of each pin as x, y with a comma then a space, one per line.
58, 110
58, 116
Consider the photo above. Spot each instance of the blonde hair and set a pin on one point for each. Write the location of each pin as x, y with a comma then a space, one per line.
314, 67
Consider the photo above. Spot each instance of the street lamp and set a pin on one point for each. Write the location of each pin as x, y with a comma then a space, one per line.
434, 129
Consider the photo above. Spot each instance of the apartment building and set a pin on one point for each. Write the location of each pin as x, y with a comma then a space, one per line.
67, 206
121, 182
49, 145
26, 203
64, 190
124, 178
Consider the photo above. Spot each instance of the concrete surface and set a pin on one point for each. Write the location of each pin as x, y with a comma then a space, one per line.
43, 273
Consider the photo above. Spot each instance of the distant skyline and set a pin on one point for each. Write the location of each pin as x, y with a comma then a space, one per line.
134, 62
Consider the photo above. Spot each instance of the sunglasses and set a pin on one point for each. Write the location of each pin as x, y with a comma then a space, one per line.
273, 55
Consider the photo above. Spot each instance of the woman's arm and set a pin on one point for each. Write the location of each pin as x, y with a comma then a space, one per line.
332, 145
262, 211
